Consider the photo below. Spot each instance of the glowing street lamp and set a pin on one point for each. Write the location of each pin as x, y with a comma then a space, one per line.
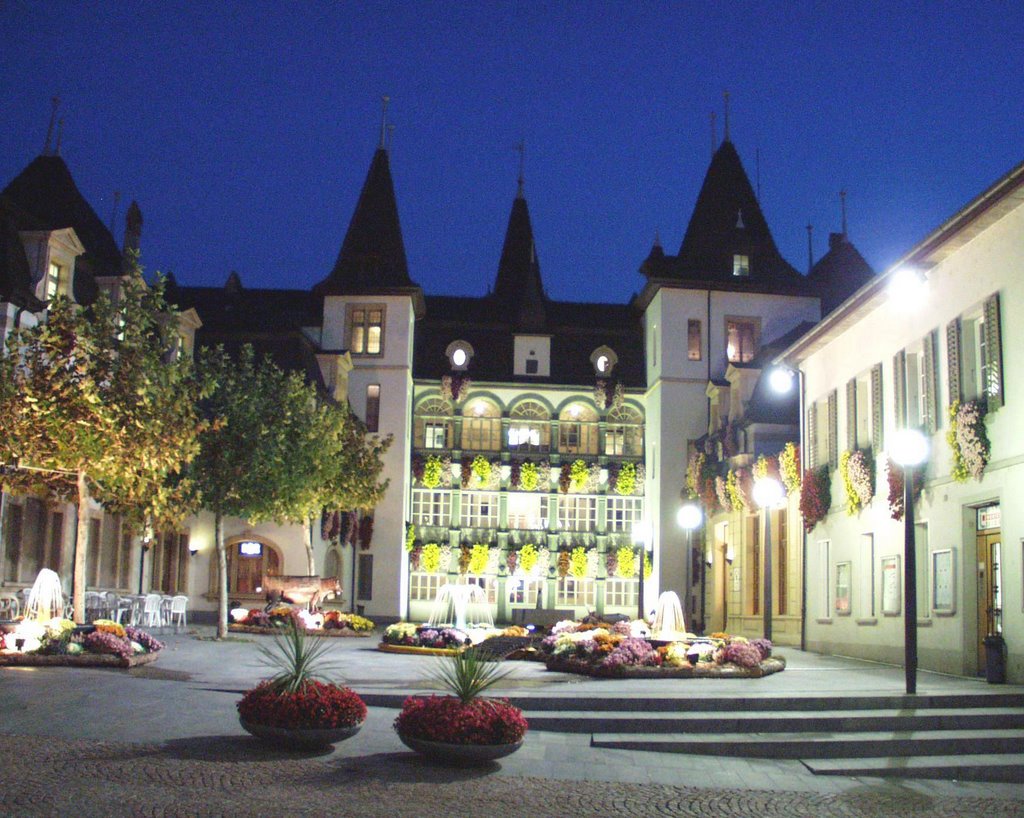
909, 449
689, 518
768, 493
644, 539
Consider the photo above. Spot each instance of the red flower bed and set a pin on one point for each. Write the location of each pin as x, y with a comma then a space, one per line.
447, 719
315, 705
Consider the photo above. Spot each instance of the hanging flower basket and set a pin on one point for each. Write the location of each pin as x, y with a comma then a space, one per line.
968, 440
455, 387
815, 496
857, 471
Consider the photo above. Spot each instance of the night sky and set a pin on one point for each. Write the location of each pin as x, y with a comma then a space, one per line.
245, 130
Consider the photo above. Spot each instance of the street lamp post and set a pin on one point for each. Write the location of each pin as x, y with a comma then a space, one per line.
642, 538
910, 449
767, 494
690, 517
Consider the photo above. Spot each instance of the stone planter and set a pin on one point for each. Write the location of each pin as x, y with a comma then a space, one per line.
459, 754
75, 660
300, 738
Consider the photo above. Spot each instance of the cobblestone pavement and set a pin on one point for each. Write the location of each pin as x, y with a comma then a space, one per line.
237, 777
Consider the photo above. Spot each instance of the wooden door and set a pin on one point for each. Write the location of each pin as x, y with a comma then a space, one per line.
989, 589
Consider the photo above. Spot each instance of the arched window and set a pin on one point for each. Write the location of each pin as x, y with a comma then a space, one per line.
530, 428
624, 434
577, 429
433, 427
332, 564
481, 426
249, 561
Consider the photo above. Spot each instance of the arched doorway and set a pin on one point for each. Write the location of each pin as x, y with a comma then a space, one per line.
250, 559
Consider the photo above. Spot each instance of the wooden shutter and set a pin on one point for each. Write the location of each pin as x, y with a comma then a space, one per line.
833, 429
877, 427
851, 414
993, 389
930, 363
899, 380
953, 359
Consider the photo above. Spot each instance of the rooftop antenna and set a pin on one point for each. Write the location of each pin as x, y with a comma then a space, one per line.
113, 210
810, 247
384, 122
60, 135
714, 134
391, 133
55, 102
726, 95
521, 150
842, 206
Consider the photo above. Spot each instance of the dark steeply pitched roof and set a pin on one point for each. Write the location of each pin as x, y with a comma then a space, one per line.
15, 272
372, 256
726, 221
519, 287
576, 330
46, 190
839, 273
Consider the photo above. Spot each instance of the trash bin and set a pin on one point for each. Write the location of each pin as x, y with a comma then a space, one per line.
995, 659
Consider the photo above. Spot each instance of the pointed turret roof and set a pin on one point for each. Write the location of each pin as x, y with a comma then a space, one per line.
46, 190
519, 288
727, 221
372, 257
839, 273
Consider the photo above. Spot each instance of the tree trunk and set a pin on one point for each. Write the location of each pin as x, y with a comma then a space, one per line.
81, 545
222, 577
307, 529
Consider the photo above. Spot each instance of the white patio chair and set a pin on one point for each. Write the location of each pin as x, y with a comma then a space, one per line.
151, 611
111, 603
179, 604
165, 610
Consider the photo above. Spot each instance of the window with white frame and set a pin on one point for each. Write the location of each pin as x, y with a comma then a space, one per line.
489, 585
620, 592
366, 330
424, 587
741, 339
481, 427
577, 513
623, 513
433, 427
432, 508
527, 512
52, 281
578, 592
524, 592
529, 429
577, 429
973, 356
624, 432
479, 509
740, 265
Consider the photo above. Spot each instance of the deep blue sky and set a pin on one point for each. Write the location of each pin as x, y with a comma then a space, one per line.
245, 130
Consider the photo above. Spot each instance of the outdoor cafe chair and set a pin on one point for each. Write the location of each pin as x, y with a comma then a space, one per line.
179, 604
151, 611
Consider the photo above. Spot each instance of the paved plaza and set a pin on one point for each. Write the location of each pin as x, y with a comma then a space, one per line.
164, 739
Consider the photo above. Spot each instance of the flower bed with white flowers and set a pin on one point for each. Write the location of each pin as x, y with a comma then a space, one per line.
59, 642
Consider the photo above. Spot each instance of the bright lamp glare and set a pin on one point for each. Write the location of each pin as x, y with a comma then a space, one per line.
642, 535
781, 379
767, 492
689, 516
909, 447
906, 288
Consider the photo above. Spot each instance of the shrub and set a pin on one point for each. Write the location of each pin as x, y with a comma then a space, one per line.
449, 720
313, 705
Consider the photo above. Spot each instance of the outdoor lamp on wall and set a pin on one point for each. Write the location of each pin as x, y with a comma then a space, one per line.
768, 493
193, 547
909, 449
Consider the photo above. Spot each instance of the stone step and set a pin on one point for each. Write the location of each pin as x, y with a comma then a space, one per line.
820, 745
1008, 767
634, 702
772, 721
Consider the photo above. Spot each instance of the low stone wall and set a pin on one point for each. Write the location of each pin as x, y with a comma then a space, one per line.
75, 660
702, 670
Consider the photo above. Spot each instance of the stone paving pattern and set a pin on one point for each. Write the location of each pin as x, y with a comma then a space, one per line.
165, 740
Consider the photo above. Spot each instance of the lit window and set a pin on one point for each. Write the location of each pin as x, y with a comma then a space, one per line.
372, 407
459, 353
527, 512
740, 265
434, 435
604, 360
51, 285
693, 343
366, 331
741, 340
459, 357
479, 509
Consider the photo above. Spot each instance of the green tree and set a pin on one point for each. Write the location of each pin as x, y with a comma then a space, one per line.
276, 450
95, 403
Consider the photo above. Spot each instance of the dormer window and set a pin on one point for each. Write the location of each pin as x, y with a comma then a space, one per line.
604, 360
459, 353
51, 284
740, 265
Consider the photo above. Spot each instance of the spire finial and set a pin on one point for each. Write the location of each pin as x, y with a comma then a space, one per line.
726, 95
113, 210
391, 134
657, 238
521, 150
842, 206
714, 134
810, 247
60, 135
55, 102
384, 122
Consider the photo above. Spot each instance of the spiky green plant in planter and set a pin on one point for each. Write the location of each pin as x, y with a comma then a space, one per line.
463, 726
297, 707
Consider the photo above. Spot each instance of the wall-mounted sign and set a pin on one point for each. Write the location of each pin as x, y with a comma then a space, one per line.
892, 585
250, 549
943, 582
989, 517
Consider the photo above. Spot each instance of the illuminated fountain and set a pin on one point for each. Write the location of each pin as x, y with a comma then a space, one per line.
669, 625
45, 604
463, 607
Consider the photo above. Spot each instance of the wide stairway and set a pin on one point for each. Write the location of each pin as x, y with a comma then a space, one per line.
975, 736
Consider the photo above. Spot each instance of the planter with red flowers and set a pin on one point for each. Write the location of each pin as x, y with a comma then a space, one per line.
298, 708
465, 727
